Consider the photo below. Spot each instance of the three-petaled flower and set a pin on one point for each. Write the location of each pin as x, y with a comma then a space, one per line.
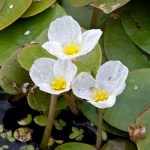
66, 40
102, 91
53, 76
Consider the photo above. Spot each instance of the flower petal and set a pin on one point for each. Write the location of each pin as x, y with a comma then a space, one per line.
65, 69
42, 71
65, 29
89, 40
104, 104
83, 86
111, 77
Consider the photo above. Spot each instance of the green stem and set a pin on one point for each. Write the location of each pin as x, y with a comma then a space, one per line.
95, 16
71, 103
99, 130
48, 128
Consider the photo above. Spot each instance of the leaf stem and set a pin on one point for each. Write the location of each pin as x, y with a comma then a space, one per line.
99, 130
95, 16
48, 128
71, 103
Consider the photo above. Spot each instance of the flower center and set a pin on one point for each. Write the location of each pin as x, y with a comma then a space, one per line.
71, 48
58, 84
101, 95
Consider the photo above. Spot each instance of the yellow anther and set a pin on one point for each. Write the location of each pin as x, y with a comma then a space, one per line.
58, 84
71, 48
101, 95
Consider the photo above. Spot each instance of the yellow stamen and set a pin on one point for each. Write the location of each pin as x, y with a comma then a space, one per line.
101, 95
58, 84
71, 49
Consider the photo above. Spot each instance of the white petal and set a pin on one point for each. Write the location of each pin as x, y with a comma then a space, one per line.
47, 88
65, 29
104, 104
65, 69
42, 71
111, 77
83, 86
89, 40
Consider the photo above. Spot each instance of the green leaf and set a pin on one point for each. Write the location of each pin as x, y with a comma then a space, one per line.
134, 99
136, 23
107, 6
59, 124
79, 3
25, 121
37, 28
40, 101
27, 147
144, 119
119, 47
12, 76
41, 120
1, 3
75, 146
76, 132
12, 10
29, 53
37, 7
119, 144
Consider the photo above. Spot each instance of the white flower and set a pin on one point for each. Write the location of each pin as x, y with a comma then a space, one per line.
102, 91
53, 76
66, 40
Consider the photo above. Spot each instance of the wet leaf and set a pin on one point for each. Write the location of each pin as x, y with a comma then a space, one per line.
118, 46
131, 102
41, 120
107, 6
23, 134
36, 27
136, 23
76, 133
12, 76
75, 146
59, 124
25, 121
119, 144
79, 3
37, 7
1, 3
12, 10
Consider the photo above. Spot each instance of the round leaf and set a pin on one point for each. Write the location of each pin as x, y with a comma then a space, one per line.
75, 146
136, 23
134, 99
41, 120
37, 7
119, 47
12, 10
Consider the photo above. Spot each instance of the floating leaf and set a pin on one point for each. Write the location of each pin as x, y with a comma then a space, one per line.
25, 121
131, 102
79, 3
59, 124
50, 142
38, 6
1, 3
3, 135
119, 144
41, 120
36, 27
11, 139
12, 76
144, 119
23, 134
75, 146
27, 147
136, 23
107, 6
29, 53
12, 10
119, 47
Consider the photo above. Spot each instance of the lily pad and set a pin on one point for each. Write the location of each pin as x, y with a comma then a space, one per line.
41, 120
12, 76
27, 30
136, 22
144, 119
119, 144
79, 3
75, 146
118, 46
25, 121
1, 3
12, 10
29, 53
37, 7
134, 99
107, 6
